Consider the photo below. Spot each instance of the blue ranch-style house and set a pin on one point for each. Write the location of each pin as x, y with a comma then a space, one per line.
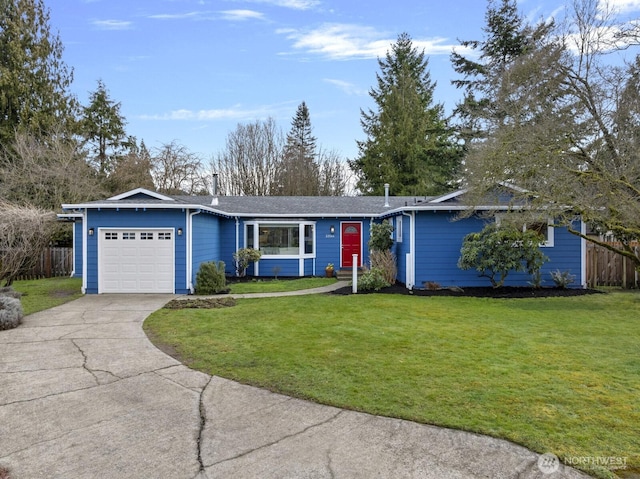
142, 241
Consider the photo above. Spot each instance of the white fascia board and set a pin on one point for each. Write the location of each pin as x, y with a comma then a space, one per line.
144, 206
449, 196
144, 191
436, 207
69, 216
303, 215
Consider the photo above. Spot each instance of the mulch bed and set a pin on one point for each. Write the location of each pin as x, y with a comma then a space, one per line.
200, 303
480, 292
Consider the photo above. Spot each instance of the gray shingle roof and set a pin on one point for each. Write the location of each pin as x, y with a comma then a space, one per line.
301, 205
268, 206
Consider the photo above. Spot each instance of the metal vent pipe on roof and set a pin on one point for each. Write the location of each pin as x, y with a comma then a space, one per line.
386, 194
214, 201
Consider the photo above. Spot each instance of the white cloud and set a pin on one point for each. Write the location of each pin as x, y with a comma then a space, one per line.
237, 112
625, 6
233, 15
242, 15
293, 4
198, 15
112, 24
339, 41
346, 87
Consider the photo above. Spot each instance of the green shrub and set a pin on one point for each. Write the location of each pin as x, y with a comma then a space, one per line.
495, 251
372, 280
380, 236
211, 279
243, 257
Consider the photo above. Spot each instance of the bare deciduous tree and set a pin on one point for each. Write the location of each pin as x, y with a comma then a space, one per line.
177, 171
24, 232
333, 173
248, 165
46, 172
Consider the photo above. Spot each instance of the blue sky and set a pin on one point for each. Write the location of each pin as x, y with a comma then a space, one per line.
191, 70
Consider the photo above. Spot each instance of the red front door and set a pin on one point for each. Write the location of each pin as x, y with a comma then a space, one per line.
351, 240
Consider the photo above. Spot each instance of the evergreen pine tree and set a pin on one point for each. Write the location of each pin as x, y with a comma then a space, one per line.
34, 81
409, 144
298, 171
102, 126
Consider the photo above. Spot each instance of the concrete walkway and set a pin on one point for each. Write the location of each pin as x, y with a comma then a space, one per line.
84, 394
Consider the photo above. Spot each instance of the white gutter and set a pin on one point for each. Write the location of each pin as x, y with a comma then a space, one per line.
411, 257
188, 239
84, 252
73, 251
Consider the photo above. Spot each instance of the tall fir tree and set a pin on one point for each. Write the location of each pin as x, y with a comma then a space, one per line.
102, 127
507, 38
34, 80
298, 173
409, 143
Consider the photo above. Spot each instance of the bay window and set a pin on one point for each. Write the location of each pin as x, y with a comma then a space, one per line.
293, 239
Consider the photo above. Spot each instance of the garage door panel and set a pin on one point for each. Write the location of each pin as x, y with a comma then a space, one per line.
136, 261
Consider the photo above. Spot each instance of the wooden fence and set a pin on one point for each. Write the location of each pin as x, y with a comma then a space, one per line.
606, 268
53, 262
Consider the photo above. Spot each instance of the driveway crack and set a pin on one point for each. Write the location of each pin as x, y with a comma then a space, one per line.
203, 422
84, 362
283, 438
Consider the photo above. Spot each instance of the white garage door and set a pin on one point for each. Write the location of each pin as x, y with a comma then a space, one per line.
136, 261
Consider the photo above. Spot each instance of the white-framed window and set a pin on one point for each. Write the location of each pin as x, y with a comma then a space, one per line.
293, 239
545, 228
110, 235
398, 229
128, 236
146, 236
164, 236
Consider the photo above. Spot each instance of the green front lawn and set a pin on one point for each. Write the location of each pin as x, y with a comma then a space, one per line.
557, 375
278, 285
41, 294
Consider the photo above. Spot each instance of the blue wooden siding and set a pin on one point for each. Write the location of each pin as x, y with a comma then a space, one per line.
77, 248
327, 245
140, 218
439, 239
228, 243
285, 267
206, 241
566, 255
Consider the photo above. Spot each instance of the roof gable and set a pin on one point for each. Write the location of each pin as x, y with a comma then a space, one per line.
140, 194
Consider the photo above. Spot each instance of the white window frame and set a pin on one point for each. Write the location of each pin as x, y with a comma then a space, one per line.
398, 229
550, 238
301, 238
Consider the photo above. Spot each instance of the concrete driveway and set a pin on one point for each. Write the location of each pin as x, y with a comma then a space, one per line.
84, 394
